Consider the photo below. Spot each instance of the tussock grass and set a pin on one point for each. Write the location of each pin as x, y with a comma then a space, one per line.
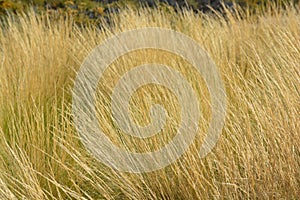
257, 155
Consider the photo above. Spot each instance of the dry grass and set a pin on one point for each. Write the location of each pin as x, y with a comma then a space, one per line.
257, 156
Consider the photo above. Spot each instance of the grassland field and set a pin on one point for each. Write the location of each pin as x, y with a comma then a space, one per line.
256, 157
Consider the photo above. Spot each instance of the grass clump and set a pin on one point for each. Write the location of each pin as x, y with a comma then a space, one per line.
257, 155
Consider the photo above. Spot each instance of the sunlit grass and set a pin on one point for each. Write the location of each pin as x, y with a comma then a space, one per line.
257, 155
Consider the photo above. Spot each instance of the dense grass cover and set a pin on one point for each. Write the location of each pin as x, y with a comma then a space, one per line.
257, 156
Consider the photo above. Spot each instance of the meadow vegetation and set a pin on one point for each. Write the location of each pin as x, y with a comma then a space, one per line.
256, 157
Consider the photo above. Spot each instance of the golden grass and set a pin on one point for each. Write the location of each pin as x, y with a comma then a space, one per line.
257, 155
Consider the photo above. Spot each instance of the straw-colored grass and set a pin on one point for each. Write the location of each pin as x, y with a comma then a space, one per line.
256, 157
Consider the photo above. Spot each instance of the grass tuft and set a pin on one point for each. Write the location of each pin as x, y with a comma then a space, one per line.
257, 156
